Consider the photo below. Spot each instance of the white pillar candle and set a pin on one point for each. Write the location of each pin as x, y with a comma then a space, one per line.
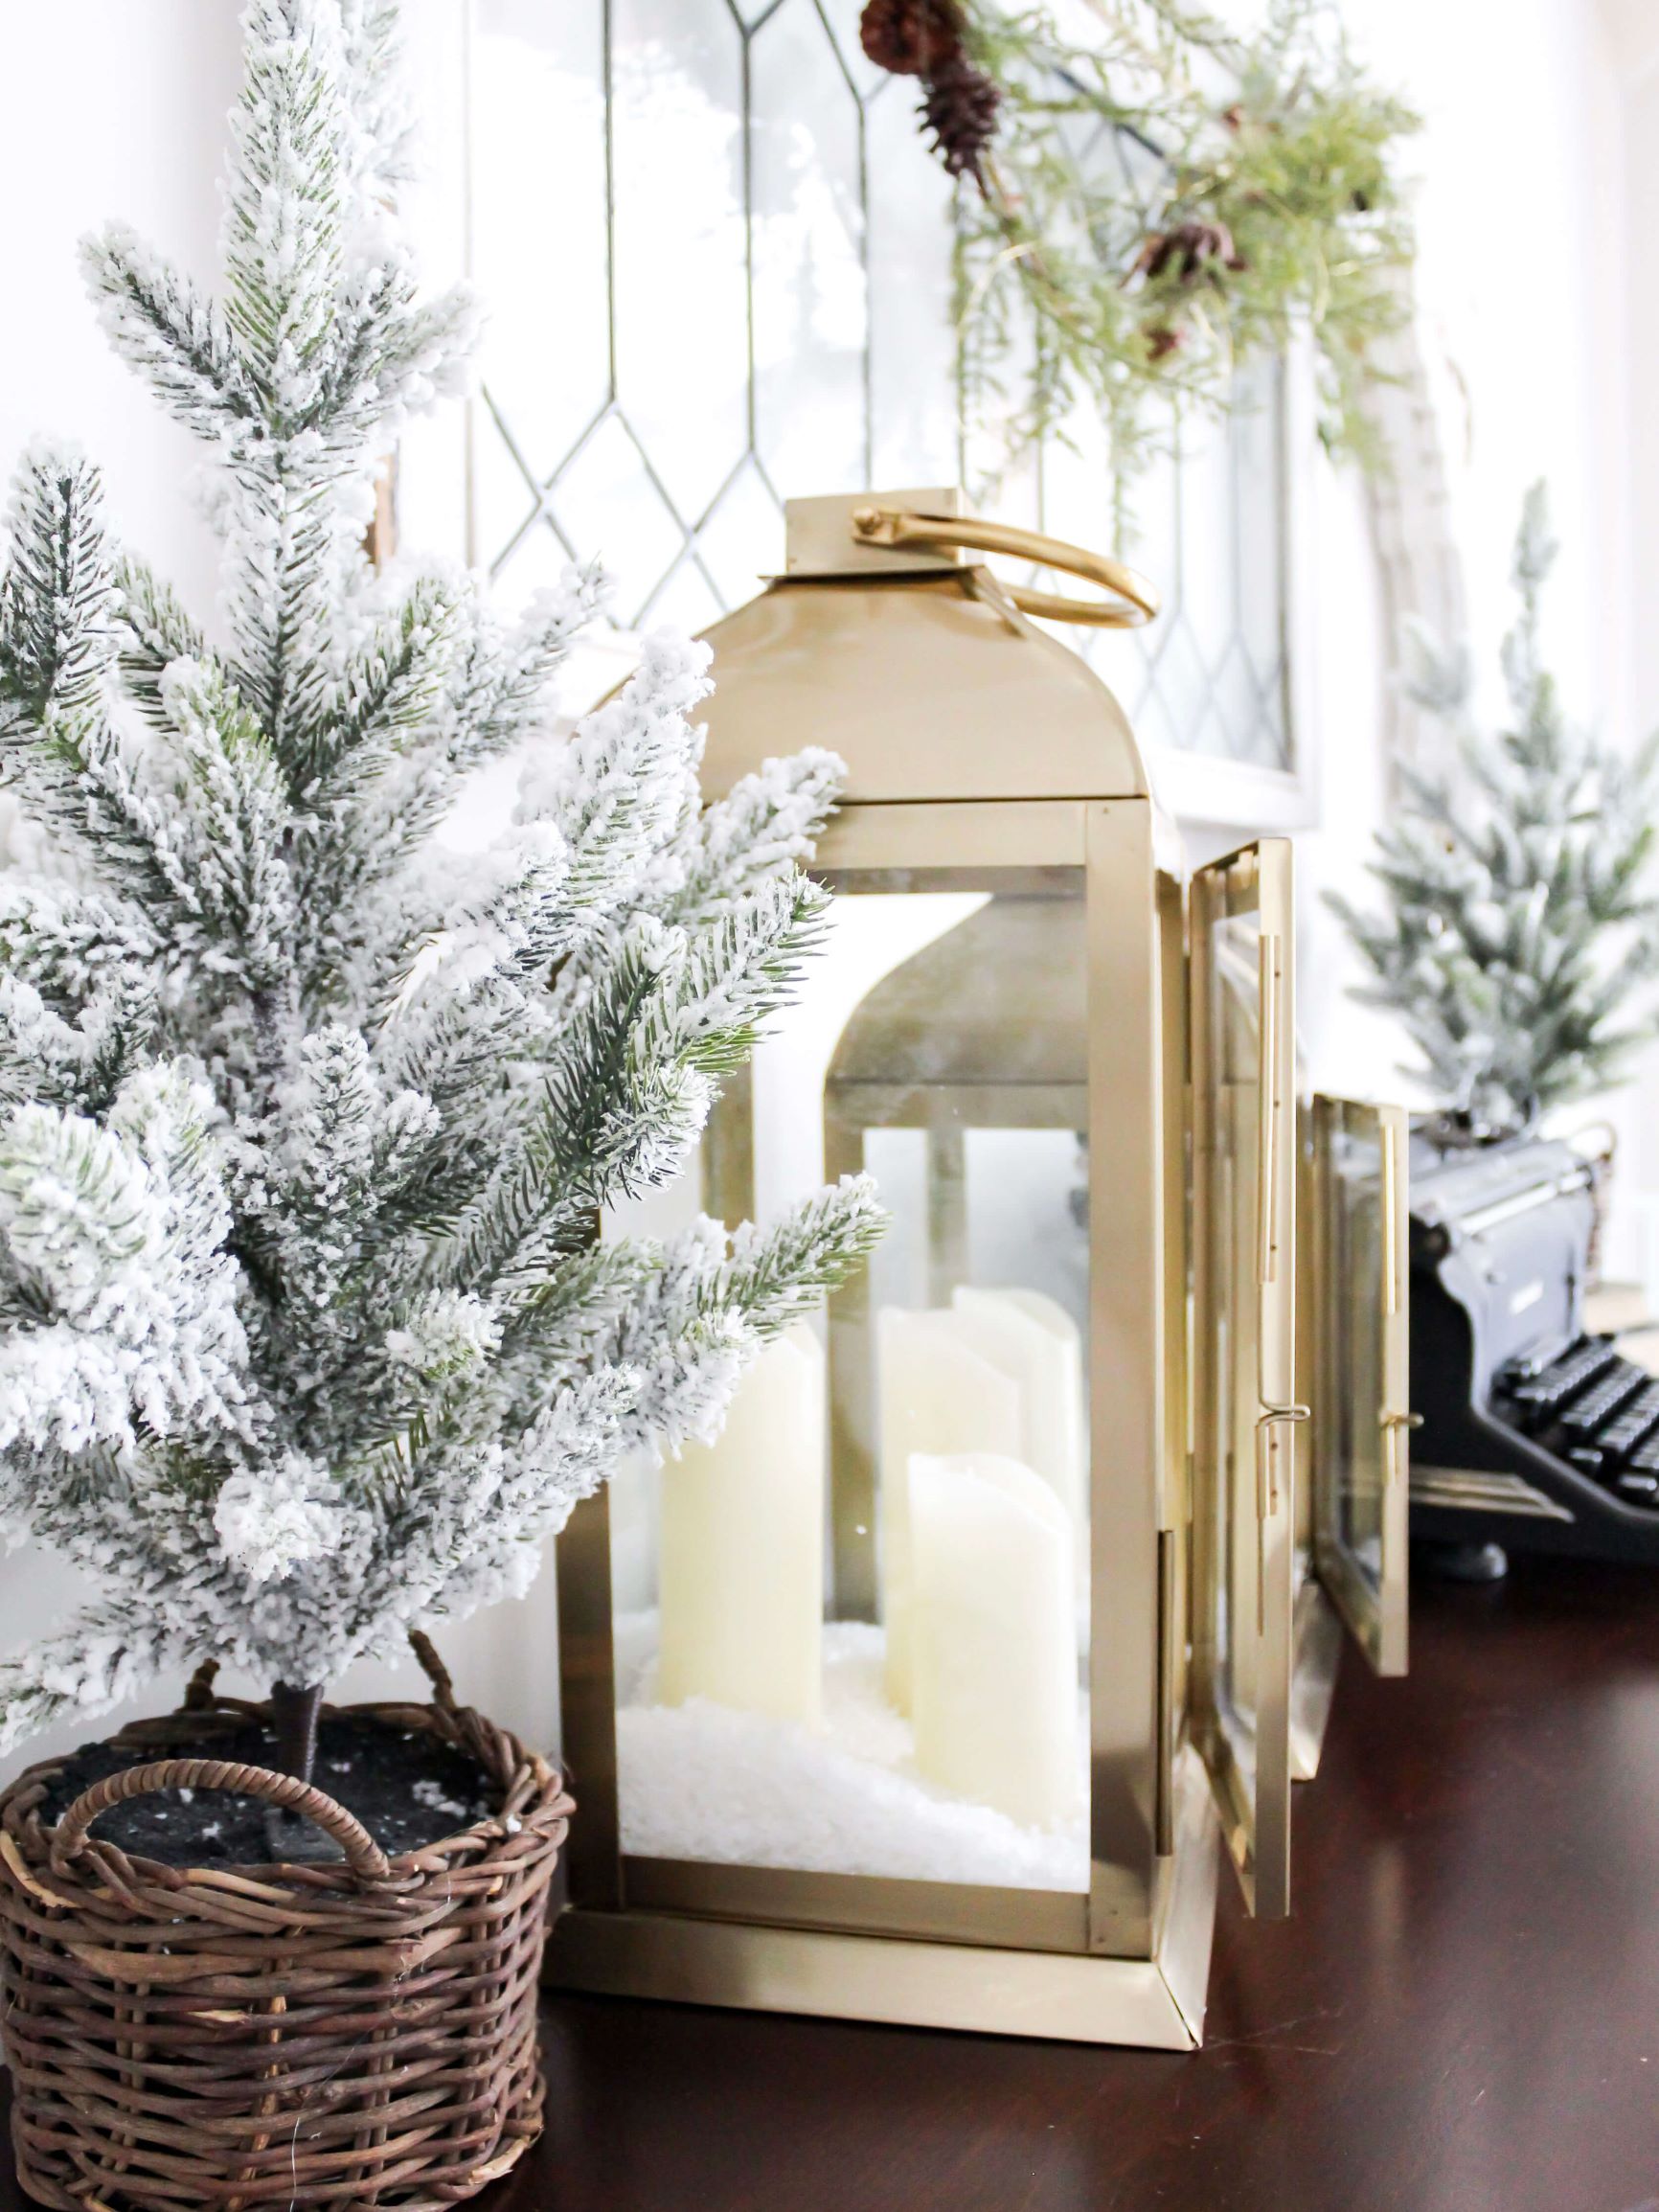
993, 1636
936, 1395
740, 1570
1035, 1339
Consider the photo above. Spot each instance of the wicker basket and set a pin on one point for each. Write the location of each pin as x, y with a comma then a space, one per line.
349, 2036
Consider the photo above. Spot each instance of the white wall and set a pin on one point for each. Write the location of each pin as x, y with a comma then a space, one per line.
107, 110
1529, 255
147, 88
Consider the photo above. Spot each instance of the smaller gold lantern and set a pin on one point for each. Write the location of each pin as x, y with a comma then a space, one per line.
992, 1593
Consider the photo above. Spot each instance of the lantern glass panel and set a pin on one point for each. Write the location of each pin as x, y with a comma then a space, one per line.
1353, 1198
1235, 979
869, 1645
1361, 1279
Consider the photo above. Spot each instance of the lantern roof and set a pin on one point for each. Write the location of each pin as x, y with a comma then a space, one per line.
914, 664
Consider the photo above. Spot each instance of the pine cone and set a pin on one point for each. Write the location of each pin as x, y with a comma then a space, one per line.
911, 37
960, 112
1198, 248
1162, 341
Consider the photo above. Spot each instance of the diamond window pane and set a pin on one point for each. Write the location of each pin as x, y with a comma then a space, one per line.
506, 499
1238, 697
718, 256
608, 508
742, 540
681, 263
1131, 678
843, 19
1257, 467
1209, 560
1158, 517
686, 600
537, 75
536, 562
912, 331
1182, 681
810, 296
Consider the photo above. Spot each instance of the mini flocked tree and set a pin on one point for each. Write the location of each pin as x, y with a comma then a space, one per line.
1520, 924
308, 1336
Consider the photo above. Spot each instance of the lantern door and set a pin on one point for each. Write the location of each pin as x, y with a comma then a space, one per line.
1362, 1371
884, 1658
1245, 1359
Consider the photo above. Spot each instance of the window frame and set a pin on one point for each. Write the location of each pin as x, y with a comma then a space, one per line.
1200, 790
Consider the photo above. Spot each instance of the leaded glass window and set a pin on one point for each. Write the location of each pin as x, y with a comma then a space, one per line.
717, 258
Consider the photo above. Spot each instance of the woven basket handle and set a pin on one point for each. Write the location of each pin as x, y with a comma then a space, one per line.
363, 1855
436, 1672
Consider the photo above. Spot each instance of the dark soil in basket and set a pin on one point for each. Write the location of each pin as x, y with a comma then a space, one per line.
405, 1786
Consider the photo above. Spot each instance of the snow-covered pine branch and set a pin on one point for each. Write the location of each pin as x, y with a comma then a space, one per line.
305, 1123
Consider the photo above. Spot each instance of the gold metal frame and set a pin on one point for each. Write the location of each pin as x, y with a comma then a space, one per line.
1128, 1054
1246, 1404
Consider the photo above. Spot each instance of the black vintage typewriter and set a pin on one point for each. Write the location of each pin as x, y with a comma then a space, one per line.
1537, 1435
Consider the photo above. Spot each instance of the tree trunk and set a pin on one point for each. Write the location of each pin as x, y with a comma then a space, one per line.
295, 1712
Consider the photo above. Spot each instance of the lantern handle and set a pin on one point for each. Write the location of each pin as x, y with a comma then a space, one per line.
1133, 599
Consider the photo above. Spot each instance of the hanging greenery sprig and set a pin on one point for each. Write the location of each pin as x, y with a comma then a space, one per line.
1147, 206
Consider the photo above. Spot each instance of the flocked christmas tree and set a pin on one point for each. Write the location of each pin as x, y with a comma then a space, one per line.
1520, 927
308, 1335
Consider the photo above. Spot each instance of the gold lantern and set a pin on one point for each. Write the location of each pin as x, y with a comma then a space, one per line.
1073, 1518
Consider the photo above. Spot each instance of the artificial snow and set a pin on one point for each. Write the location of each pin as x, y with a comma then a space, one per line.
271, 1520
700, 1781
432, 1796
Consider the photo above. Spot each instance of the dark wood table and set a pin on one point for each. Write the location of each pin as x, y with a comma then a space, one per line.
1461, 2014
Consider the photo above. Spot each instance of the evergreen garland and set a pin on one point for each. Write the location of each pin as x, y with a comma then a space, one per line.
305, 1124
1519, 935
1247, 187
